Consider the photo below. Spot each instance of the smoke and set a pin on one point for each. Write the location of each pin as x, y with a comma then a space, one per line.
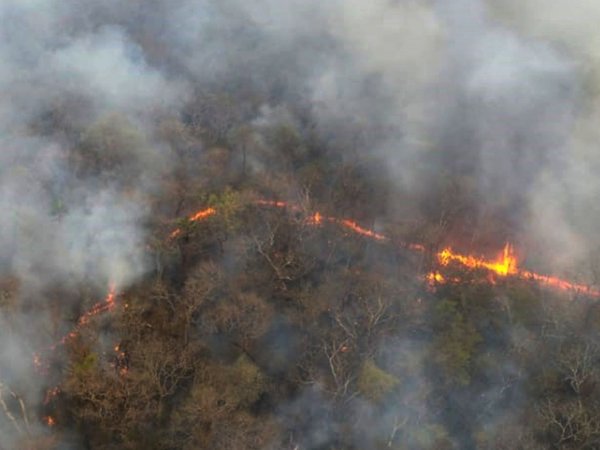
64, 222
563, 209
506, 98
379, 84
77, 168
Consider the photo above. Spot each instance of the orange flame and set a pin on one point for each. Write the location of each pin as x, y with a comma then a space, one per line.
316, 219
120, 363
103, 306
506, 264
435, 277
49, 420
415, 247
559, 283
353, 226
37, 362
197, 216
274, 203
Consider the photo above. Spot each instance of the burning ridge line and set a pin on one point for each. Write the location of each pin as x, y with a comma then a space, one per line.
98, 308
41, 365
505, 265
197, 216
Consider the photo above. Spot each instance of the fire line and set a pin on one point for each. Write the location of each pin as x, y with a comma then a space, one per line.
103, 306
504, 265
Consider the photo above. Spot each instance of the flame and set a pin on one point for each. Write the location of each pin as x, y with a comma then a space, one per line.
353, 226
415, 247
120, 363
197, 216
505, 264
435, 277
559, 283
274, 203
316, 219
105, 305
37, 362
49, 420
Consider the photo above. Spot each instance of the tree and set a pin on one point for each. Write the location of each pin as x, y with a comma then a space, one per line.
570, 425
455, 343
216, 413
373, 383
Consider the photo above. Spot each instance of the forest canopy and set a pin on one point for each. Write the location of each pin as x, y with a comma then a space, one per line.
299, 225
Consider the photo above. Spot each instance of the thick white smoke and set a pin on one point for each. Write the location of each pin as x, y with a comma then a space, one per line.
64, 222
564, 207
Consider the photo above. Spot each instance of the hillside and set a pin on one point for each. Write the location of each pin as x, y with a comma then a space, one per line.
299, 225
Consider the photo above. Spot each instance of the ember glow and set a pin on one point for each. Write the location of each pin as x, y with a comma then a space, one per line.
558, 283
275, 204
317, 218
120, 364
49, 420
355, 228
51, 394
105, 305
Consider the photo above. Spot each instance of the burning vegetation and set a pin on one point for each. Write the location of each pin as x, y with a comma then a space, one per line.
504, 265
299, 225
372, 378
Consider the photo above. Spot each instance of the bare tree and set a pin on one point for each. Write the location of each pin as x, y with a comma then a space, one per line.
578, 364
19, 418
570, 424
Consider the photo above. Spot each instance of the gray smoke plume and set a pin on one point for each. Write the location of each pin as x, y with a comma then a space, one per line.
504, 96
77, 166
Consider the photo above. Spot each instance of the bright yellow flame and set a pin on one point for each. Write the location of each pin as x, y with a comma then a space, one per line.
505, 264
435, 277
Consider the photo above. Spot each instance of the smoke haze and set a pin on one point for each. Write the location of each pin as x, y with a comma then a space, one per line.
504, 95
